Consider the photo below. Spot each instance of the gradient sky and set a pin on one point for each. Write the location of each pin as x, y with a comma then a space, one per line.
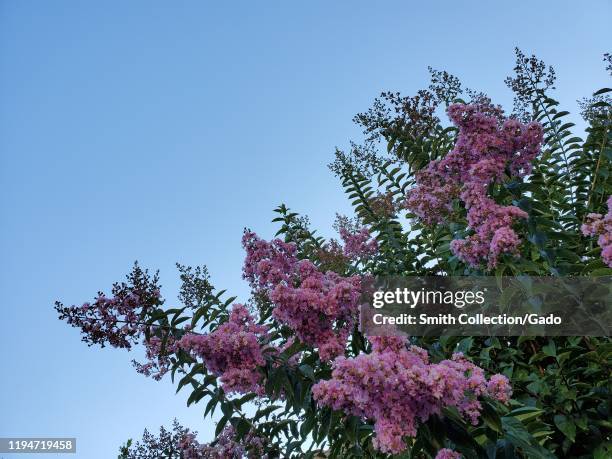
157, 131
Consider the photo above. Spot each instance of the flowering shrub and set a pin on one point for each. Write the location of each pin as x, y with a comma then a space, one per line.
290, 371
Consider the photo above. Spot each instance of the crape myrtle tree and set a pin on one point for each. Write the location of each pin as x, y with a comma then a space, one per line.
443, 183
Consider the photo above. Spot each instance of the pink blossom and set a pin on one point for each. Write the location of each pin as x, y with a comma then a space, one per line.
601, 225
446, 453
397, 387
268, 263
158, 357
234, 351
225, 446
321, 308
499, 388
114, 321
358, 244
487, 148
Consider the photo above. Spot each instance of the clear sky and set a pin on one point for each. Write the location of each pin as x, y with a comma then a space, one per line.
157, 130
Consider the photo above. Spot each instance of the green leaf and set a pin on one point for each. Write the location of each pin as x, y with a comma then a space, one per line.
550, 349
603, 451
602, 91
307, 371
307, 426
521, 438
566, 425
491, 417
221, 425
242, 427
465, 345
526, 413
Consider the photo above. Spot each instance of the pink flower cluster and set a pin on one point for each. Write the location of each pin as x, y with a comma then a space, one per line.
446, 453
498, 388
113, 321
321, 308
487, 149
158, 357
224, 447
234, 351
267, 264
600, 225
358, 244
397, 387
432, 199
116, 320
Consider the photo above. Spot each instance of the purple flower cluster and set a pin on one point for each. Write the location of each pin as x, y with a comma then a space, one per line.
358, 244
446, 453
601, 225
268, 263
114, 321
498, 388
432, 199
234, 351
158, 357
224, 447
321, 308
487, 149
396, 386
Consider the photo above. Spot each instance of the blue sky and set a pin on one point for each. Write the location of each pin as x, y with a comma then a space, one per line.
157, 131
